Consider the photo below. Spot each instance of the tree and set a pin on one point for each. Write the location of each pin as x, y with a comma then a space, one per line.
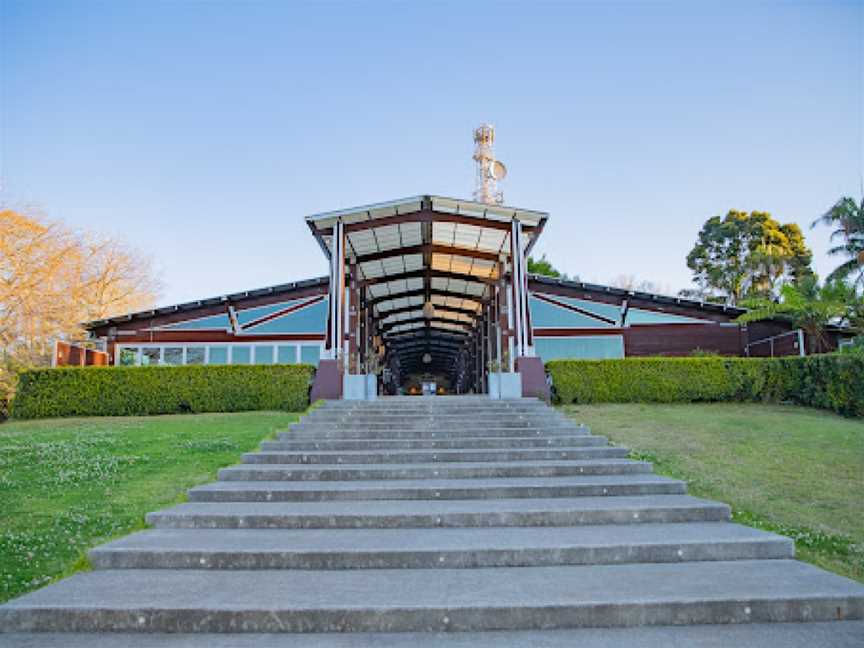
808, 306
542, 266
746, 255
52, 279
847, 218
631, 282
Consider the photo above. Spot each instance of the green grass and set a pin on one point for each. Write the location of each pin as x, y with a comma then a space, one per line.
792, 470
69, 484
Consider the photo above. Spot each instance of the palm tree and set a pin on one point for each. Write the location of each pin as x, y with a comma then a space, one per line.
808, 306
847, 219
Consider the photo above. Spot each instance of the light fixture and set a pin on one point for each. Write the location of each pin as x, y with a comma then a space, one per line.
427, 358
428, 310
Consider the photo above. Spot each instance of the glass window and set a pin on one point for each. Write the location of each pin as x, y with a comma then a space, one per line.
310, 354
241, 355
263, 355
194, 355
128, 357
151, 355
287, 355
173, 356
218, 355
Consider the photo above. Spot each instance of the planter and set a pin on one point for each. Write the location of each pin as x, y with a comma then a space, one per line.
354, 386
359, 386
504, 385
371, 386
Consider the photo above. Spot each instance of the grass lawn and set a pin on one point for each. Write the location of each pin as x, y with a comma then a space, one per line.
69, 484
793, 470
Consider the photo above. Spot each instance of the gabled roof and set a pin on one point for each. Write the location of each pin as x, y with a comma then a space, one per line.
427, 248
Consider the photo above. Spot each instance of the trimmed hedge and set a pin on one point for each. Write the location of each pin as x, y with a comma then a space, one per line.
136, 391
832, 381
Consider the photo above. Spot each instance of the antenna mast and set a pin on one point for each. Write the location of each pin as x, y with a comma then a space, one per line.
489, 170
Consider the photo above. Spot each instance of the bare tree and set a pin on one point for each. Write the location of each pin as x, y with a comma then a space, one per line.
52, 279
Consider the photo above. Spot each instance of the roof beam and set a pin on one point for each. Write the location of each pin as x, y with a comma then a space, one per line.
430, 274
448, 309
426, 216
434, 249
422, 293
416, 320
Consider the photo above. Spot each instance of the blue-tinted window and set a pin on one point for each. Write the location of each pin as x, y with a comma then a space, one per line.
263, 355
218, 355
310, 354
173, 356
194, 355
585, 348
287, 354
241, 355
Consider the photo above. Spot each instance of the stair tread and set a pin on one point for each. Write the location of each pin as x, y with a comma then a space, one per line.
409, 507
743, 581
498, 482
435, 539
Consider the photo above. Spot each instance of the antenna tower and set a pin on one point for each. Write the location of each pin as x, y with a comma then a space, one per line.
489, 170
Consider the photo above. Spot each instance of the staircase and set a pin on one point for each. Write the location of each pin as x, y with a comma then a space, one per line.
455, 521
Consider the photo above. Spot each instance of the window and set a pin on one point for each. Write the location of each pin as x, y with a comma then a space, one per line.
151, 355
173, 356
218, 355
263, 355
129, 357
584, 347
241, 355
194, 355
287, 354
310, 354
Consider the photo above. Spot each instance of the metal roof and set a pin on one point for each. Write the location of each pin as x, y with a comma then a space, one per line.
209, 301
427, 248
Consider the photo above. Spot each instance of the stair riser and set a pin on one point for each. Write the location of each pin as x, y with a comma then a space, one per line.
445, 471
439, 433
539, 557
496, 421
460, 423
436, 494
432, 457
431, 619
445, 520
286, 444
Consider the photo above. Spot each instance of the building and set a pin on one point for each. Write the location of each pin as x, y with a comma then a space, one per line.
432, 289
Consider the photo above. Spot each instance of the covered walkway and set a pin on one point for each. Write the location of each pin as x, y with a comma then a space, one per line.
427, 287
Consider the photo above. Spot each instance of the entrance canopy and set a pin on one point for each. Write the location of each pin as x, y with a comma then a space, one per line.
420, 278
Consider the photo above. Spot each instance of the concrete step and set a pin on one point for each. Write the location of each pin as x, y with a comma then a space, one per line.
436, 489
453, 470
432, 424
409, 600
831, 634
289, 442
325, 432
386, 514
399, 419
431, 456
437, 548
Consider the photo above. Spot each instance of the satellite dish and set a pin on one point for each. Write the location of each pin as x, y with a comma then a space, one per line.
498, 170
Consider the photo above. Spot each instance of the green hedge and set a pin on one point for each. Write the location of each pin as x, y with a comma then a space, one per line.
129, 391
834, 381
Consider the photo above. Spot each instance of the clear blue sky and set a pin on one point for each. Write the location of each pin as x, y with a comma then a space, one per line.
203, 132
